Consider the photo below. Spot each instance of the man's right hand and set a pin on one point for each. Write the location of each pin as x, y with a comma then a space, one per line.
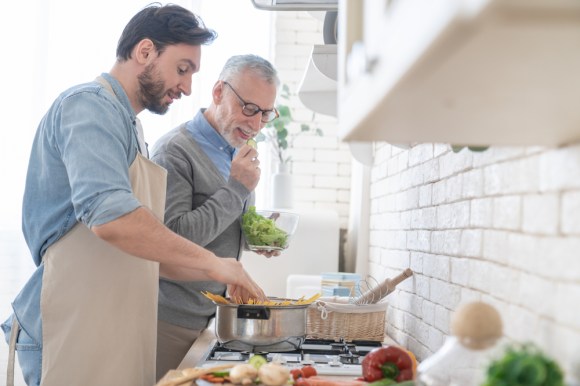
245, 167
232, 272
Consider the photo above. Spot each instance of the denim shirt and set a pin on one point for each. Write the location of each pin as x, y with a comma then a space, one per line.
213, 144
78, 172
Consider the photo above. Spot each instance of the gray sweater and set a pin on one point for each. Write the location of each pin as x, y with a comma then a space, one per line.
204, 208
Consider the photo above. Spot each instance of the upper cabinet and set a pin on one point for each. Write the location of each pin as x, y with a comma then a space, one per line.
473, 72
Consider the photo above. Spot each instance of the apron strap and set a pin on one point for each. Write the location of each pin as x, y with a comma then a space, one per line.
140, 134
12, 351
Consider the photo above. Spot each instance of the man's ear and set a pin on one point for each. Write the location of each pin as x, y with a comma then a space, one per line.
145, 51
217, 92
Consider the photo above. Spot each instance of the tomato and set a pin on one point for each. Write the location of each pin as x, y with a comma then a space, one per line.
308, 371
296, 373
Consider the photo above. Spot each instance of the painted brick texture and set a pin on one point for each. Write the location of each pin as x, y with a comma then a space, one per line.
500, 226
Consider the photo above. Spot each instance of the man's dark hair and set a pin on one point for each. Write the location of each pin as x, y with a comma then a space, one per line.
165, 25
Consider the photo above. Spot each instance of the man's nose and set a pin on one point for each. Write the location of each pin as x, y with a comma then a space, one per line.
185, 86
257, 123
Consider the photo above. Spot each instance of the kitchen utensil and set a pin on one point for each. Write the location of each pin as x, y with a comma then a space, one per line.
374, 295
261, 328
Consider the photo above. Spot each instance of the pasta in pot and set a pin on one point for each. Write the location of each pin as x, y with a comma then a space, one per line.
218, 299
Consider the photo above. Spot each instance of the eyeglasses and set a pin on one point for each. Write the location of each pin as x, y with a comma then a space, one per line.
251, 109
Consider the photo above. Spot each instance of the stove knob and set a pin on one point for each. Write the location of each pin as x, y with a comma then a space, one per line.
335, 362
306, 360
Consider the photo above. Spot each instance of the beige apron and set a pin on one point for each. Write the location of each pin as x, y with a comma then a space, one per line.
99, 304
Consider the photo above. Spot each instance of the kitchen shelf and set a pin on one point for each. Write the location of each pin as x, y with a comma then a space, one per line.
477, 72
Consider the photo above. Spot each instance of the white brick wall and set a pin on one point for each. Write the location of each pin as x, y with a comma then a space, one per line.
321, 166
501, 226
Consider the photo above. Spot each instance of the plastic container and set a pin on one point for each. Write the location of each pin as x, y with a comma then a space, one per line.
340, 284
464, 357
455, 365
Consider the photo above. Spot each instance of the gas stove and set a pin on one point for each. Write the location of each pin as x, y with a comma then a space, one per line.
329, 357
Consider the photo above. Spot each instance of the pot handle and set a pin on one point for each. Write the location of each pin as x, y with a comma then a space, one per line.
253, 312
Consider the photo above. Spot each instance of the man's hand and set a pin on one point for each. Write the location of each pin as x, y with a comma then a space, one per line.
239, 295
268, 254
245, 167
232, 272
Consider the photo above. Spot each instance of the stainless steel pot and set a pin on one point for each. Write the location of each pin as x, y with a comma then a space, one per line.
261, 328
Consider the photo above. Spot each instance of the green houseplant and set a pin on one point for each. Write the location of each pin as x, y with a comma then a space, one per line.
477, 149
279, 133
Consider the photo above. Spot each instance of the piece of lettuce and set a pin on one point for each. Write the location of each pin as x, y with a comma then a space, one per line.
262, 231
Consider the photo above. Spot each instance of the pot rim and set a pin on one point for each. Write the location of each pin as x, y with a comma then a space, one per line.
260, 306
273, 298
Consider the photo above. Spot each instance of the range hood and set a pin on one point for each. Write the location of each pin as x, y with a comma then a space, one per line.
296, 5
317, 91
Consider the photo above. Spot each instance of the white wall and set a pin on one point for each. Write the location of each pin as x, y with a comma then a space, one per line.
502, 226
321, 166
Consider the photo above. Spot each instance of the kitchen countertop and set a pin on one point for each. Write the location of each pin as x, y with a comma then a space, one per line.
202, 347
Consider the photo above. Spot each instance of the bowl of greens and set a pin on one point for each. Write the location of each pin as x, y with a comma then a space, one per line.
268, 230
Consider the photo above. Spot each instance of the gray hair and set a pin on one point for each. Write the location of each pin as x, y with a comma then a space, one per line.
258, 65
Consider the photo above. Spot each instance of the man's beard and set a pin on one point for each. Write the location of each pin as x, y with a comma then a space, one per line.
225, 129
152, 90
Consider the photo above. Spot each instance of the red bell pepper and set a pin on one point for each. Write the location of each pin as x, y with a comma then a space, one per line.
387, 362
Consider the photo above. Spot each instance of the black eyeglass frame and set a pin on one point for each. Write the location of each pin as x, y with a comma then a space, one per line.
254, 108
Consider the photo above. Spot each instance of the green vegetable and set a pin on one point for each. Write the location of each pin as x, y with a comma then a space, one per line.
257, 361
388, 382
221, 373
524, 365
383, 382
262, 231
252, 142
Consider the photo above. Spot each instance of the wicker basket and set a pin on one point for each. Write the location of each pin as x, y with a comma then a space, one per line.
330, 320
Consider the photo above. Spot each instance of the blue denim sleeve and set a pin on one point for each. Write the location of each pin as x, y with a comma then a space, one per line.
97, 145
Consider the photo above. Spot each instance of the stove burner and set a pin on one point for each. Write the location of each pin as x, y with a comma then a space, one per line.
319, 352
246, 354
343, 347
262, 353
349, 358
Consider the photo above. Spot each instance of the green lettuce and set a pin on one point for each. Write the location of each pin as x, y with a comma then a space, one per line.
262, 231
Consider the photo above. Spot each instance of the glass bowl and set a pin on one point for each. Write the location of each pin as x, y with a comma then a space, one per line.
268, 230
